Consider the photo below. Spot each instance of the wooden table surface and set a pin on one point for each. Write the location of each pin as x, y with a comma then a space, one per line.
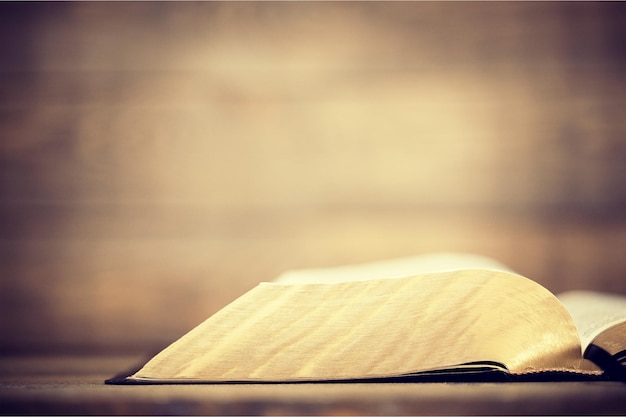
74, 385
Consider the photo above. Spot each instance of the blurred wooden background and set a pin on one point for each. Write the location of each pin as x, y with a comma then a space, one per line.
159, 159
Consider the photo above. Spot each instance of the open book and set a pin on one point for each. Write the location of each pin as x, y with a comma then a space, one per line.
441, 317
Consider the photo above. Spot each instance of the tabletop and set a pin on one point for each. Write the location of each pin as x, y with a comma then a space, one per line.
75, 385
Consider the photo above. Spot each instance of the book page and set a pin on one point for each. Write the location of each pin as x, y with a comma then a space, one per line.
394, 268
375, 328
595, 313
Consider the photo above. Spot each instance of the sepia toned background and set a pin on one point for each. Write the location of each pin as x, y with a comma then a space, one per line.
159, 159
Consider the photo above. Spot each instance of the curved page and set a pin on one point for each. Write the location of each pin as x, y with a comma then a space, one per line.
600, 318
391, 268
376, 328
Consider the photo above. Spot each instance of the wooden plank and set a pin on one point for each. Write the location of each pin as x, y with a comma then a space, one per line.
124, 282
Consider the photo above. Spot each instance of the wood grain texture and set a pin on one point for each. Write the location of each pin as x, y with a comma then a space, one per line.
158, 160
